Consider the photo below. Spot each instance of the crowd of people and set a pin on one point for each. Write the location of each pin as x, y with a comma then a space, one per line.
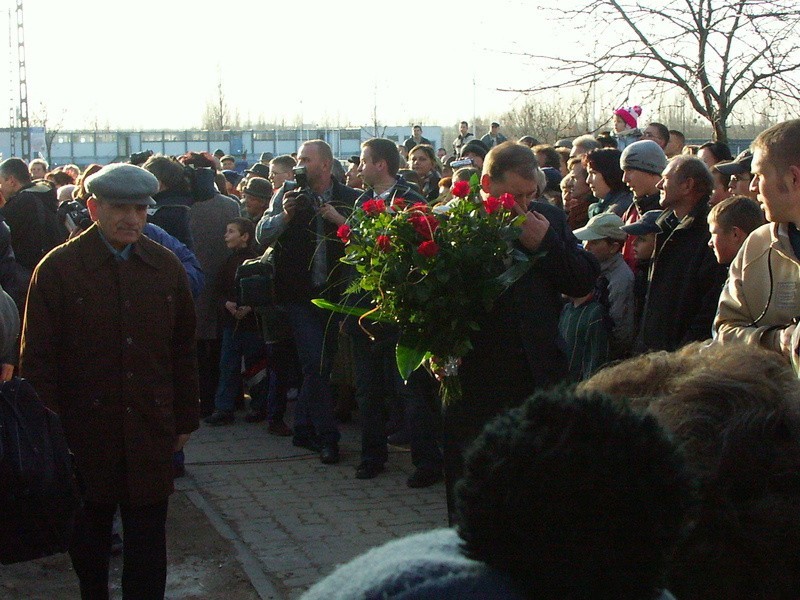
666, 284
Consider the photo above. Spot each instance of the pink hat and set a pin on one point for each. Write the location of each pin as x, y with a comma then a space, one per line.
629, 114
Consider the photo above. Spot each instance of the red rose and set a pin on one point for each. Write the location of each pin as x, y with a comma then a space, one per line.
420, 206
428, 249
374, 207
424, 225
461, 189
399, 203
507, 200
491, 204
344, 233
384, 243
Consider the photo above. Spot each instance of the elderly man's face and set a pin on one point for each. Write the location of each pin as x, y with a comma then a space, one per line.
121, 224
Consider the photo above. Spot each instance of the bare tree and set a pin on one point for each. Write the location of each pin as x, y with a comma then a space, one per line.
547, 121
52, 125
717, 52
217, 115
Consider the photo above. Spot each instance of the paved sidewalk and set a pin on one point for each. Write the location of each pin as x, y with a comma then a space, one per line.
291, 518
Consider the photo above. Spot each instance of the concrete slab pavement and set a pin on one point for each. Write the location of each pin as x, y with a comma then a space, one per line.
293, 519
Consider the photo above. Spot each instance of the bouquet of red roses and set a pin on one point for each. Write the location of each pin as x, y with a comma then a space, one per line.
432, 271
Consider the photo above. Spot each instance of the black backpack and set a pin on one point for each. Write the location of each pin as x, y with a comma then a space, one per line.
38, 491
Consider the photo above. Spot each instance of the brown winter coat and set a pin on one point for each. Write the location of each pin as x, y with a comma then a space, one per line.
109, 345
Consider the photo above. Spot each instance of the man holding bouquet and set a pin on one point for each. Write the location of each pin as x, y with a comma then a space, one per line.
518, 348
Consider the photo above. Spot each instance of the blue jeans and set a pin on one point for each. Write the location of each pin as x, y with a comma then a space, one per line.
377, 380
250, 346
314, 332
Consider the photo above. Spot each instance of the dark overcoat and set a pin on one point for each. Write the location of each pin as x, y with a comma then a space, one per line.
109, 345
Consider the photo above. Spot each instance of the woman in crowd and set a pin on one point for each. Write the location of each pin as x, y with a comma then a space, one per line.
423, 162
605, 181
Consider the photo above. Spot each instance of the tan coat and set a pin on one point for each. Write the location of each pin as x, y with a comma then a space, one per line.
764, 286
109, 345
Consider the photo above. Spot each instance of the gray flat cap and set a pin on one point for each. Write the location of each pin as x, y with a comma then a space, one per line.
122, 183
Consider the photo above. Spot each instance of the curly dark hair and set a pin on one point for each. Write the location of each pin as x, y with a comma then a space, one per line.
574, 496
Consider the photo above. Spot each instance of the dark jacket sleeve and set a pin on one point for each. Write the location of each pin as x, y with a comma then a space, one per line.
710, 278
184, 356
571, 269
41, 334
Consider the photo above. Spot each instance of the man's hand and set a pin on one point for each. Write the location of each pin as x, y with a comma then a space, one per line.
786, 340
242, 312
231, 307
6, 372
329, 213
534, 228
289, 205
180, 441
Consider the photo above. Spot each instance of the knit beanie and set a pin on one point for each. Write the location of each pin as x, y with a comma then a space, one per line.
629, 114
644, 155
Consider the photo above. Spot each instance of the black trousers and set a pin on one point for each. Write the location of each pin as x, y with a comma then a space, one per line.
144, 554
489, 385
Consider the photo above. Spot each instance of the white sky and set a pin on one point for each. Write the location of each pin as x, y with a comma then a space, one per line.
149, 64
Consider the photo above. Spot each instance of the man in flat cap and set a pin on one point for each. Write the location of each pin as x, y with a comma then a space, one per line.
108, 342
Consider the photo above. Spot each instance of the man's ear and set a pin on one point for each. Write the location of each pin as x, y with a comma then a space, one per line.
794, 173
91, 204
486, 183
738, 233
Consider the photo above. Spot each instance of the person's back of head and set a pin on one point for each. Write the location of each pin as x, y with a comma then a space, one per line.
574, 496
734, 410
16, 168
547, 156
169, 172
584, 144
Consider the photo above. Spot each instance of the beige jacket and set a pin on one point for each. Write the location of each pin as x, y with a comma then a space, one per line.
762, 294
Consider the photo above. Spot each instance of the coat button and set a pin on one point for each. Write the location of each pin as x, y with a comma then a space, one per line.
127, 303
96, 402
129, 410
129, 375
129, 341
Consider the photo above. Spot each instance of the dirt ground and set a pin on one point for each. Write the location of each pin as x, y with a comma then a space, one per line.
202, 564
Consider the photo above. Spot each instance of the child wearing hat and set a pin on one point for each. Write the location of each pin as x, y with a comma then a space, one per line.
643, 232
626, 129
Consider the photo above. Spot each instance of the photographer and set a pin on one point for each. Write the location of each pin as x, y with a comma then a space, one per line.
301, 226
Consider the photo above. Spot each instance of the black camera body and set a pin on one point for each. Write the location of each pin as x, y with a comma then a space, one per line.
75, 215
257, 289
139, 158
305, 200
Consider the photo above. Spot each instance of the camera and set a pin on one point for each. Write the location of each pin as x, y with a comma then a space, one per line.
300, 176
75, 215
256, 288
139, 158
304, 199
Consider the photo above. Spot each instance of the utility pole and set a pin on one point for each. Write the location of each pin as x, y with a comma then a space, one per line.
24, 123
12, 108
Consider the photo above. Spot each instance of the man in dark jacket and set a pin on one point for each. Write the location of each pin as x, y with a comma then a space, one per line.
301, 226
685, 278
108, 343
374, 362
518, 348
30, 211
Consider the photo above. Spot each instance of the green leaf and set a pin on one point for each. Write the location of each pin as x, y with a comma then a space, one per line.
513, 273
408, 359
356, 311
